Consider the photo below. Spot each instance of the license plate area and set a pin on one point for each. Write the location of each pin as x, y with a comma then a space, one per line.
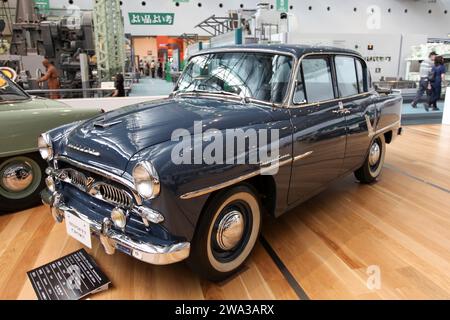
78, 229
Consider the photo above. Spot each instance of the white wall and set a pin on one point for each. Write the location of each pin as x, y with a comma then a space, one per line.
395, 46
340, 19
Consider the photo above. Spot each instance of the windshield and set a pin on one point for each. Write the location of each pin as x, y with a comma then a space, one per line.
9, 91
261, 76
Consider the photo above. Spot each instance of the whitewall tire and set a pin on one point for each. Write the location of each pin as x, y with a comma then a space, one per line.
226, 233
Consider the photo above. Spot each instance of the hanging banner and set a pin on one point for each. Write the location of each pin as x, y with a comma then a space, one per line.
148, 18
282, 5
43, 6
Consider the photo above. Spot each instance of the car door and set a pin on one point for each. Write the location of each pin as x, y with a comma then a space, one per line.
319, 129
359, 108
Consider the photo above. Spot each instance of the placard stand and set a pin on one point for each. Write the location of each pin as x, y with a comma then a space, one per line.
446, 115
71, 277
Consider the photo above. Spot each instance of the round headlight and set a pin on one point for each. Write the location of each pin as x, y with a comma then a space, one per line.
45, 147
146, 180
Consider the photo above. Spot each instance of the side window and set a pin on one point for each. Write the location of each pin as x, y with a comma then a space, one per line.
362, 76
346, 76
314, 80
299, 94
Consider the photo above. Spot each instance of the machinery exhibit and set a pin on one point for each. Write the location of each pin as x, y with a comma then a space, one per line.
227, 151
84, 55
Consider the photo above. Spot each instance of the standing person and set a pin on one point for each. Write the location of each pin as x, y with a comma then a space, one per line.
141, 67
119, 84
160, 69
425, 69
52, 78
438, 77
147, 69
153, 68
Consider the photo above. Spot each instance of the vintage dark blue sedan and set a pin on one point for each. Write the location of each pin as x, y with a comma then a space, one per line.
185, 177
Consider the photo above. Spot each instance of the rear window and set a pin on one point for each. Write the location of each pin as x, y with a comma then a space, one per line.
314, 81
347, 79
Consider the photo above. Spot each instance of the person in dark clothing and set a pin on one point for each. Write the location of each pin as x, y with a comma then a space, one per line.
119, 84
160, 69
438, 77
425, 69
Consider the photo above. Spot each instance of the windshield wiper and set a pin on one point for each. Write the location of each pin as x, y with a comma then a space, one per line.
220, 92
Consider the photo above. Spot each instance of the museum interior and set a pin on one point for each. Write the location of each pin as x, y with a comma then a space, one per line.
135, 161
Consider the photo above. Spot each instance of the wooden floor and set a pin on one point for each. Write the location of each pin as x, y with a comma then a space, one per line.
400, 224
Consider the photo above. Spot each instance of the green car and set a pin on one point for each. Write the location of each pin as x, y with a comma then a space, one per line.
22, 119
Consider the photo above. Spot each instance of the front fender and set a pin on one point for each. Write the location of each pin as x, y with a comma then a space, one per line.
182, 214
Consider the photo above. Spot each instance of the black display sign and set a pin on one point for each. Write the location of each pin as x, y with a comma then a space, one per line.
71, 277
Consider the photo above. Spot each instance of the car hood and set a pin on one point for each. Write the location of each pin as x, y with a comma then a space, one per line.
110, 140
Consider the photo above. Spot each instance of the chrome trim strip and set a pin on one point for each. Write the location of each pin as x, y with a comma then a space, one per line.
201, 192
84, 150
302, 156
275, 161
105, 174
144, 251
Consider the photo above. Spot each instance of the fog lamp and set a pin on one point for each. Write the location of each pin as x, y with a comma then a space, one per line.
50, 183
119, 218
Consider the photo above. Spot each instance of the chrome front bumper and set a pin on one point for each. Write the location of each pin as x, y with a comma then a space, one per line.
112, 239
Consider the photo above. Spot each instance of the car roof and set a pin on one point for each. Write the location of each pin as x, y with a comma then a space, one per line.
296, 50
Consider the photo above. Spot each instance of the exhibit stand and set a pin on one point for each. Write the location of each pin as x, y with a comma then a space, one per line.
446, 115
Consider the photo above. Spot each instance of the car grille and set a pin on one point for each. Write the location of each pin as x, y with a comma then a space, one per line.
114, 195
96, 187
76, 178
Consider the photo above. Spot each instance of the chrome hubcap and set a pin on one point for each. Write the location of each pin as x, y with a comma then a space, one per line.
17, 176
230, 230
375, 153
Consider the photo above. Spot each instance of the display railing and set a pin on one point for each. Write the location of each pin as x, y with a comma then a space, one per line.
75, 93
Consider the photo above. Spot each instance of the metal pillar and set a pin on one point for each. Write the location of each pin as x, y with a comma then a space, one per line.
25, 12
84, 68
109, 39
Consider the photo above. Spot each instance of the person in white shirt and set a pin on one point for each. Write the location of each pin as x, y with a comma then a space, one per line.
425, 70
153, 68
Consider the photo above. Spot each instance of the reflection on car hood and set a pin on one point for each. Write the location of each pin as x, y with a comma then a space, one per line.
119, 134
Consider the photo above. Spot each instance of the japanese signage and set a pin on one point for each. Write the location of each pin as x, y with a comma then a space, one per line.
144, 18
282, 5
43, 6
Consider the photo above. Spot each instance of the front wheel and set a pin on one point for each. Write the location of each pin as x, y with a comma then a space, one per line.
21, 180
374, 162
226, 233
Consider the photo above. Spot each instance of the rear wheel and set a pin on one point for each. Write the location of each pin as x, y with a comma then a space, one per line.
21, 180
226, 233
374, 162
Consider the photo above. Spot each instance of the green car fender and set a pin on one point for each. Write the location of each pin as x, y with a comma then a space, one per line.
22, 122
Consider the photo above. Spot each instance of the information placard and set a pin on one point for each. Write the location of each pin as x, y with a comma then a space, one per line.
71, 277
